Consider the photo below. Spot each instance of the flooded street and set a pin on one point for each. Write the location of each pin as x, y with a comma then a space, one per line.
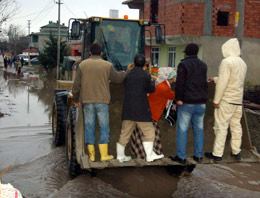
40, 170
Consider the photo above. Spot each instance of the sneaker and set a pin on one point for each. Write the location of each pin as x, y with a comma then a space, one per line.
237, 156
211, 156
197, 159
178, 159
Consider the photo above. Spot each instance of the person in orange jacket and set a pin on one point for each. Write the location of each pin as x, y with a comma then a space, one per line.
158, 100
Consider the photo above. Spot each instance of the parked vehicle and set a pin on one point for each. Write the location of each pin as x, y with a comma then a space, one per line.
35, 61
25, 58
68, 123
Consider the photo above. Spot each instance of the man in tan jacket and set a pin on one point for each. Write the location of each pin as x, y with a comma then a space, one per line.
228, 100
91, 88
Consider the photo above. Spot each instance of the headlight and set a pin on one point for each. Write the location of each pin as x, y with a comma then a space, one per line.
96, 19
147, 23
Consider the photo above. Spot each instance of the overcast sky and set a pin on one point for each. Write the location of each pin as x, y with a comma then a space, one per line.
40, 12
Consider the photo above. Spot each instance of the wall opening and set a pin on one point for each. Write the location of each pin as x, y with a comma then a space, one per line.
35, 38
222, 18
154, 11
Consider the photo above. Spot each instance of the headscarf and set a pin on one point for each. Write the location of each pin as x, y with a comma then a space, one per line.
165, 73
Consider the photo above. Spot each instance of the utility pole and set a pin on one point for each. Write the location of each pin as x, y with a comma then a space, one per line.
58, 43
29, 48
15, 40
239, 21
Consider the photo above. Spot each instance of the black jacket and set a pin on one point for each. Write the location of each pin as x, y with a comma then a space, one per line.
136, 86
191, 84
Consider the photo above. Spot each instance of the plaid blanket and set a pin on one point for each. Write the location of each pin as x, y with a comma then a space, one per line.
137, 148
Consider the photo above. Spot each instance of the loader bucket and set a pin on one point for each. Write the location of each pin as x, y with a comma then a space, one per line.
168, 137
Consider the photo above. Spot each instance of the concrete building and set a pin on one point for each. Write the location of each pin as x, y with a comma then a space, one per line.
113, 13
38, 39
208, 23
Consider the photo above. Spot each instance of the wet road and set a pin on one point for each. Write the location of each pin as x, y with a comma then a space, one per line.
39, 169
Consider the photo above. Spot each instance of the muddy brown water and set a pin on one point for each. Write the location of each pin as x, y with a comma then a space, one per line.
40, 171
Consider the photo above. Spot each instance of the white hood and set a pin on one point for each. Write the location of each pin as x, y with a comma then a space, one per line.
231, 76
231, 48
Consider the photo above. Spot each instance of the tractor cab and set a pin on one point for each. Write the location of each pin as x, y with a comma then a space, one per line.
121, 39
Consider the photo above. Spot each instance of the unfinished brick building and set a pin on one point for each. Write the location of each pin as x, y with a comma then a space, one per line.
208, 23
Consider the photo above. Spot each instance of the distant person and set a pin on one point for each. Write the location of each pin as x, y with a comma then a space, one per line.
191, 96
158, 100
14, 62
91, 88
5, 62
136, 111
228, 101
114, 45
8, 62
22, 61
18, 66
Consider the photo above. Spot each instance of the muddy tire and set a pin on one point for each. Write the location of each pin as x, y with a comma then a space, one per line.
73, 166
59, 115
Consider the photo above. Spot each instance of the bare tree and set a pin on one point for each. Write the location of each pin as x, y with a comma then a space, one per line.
8, 9
17, 41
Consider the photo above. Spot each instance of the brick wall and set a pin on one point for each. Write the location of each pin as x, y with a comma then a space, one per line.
180, 18
173, 19
224, 6
147, 6
147, 16
192, 18
141, 14
252, 19
187, 17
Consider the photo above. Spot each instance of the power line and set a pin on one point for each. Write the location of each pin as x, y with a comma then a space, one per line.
43, 10
69, 10
29, 14
43, 16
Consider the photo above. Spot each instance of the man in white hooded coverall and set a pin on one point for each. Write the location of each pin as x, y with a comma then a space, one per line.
228, 101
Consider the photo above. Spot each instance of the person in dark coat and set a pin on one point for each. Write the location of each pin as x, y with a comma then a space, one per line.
14, 62
5, 62
22, 61
136, 111
191, 96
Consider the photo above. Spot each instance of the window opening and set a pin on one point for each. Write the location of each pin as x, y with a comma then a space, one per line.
155, 56
35, 38
172, 56
222, 18
154, 11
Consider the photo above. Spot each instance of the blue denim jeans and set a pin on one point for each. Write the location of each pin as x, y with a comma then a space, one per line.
91, 111
194, 114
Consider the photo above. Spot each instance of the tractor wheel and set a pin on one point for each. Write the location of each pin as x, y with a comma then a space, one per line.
59, 114
73, 166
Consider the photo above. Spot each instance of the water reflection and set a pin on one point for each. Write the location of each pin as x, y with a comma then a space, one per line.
31, 97
25, 128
